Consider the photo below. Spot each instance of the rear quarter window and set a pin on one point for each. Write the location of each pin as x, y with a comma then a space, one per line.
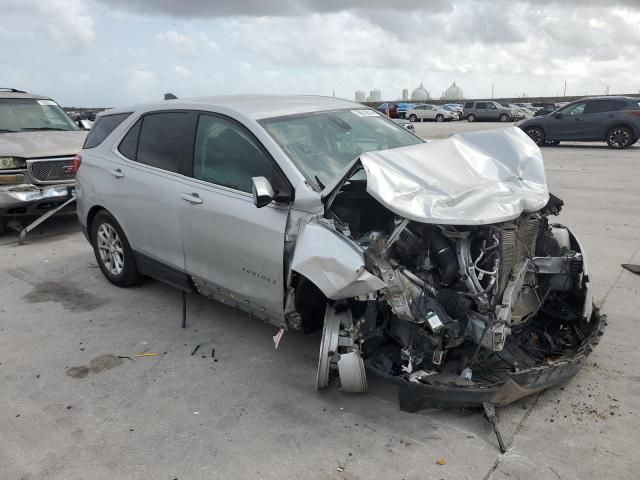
468, 105
102, 127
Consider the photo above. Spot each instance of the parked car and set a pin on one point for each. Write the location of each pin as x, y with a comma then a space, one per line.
454, 108
615, 120
487, 110
429, 112
388, 108
38, 141
402, 109
546, 110
417, 258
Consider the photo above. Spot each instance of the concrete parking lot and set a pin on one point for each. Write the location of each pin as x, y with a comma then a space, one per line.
71, 408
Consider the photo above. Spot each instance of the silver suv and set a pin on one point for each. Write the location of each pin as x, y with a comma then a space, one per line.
38, 141
416, 259
488, 110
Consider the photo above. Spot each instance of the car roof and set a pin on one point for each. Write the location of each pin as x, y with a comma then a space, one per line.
13, 93
253, 106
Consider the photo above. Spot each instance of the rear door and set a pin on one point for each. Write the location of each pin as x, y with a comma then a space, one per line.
482, 111
143, 187
232, 248
600, 115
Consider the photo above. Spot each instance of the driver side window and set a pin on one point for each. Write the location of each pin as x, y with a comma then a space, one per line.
225, 154
572, 110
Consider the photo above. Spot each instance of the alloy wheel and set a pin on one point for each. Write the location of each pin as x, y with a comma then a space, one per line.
110, 248
536, 135
619, 138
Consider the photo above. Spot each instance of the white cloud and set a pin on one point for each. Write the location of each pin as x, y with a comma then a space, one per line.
190, 44
66, 23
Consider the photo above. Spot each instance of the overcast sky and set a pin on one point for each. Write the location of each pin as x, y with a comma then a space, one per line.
115, 52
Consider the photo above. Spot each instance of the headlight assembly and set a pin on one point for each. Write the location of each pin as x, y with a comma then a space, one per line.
12, 163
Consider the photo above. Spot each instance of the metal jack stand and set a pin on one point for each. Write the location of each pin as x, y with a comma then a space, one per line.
490, 412
43, 218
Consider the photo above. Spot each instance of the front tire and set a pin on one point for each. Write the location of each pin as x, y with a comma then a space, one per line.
113, 252
413, 117
536, 134
439, 118
504, 117
3, 226
471, 117
620, 137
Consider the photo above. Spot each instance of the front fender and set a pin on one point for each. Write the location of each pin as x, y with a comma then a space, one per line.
333, 263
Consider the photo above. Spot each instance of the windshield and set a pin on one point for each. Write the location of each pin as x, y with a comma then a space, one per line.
29, 114
322, 144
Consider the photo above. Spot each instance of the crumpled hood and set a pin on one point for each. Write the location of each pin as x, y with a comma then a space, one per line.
474, 178
41, 144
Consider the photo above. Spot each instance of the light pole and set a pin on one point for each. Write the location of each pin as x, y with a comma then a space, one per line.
565, 89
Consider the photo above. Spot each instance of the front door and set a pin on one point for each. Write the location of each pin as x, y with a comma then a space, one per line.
567, 123
232, 248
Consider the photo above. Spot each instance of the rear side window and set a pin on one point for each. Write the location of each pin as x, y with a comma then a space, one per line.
468, 105
481, 105
601, 106
102, 127
161, 140
129, 144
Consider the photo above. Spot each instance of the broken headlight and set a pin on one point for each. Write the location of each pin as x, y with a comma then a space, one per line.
12, 163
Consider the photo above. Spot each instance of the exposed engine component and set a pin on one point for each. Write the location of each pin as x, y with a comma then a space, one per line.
457, 298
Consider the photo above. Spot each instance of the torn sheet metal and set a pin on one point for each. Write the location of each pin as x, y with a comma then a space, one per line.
333, 263
474, 178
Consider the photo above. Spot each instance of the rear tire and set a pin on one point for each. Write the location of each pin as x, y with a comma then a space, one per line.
439, 118
620, 137
504, 117
113, 252
471, 117
536, 134
3, 226
413, 117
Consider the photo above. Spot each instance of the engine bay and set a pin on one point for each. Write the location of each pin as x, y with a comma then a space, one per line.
464, 306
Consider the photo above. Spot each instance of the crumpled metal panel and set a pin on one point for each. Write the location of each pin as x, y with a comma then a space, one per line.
474, 178
333, 263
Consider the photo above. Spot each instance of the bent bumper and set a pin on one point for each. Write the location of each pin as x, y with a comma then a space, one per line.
419, 396
31, 199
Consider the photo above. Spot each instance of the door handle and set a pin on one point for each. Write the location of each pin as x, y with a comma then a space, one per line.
611, 116
116, 172
193, 198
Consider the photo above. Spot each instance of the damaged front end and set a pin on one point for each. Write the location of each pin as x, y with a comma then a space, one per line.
481, 298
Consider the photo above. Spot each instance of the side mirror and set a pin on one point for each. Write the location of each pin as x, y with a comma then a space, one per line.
262, 191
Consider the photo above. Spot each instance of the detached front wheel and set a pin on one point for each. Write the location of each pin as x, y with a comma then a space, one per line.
536, 134
620, 137
113, 252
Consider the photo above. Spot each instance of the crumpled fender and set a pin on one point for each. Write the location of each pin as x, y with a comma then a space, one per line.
333, 263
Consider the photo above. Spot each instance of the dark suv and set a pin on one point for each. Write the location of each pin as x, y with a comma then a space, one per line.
615, 120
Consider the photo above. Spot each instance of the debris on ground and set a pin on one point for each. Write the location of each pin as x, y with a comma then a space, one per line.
633, 268
441, 461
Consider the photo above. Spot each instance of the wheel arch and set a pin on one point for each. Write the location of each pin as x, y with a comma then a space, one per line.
628, 125
91, 215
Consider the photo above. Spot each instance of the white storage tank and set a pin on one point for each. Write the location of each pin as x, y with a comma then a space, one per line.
360, 96
375, 95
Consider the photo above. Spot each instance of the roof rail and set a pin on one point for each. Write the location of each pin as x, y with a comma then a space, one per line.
13, 90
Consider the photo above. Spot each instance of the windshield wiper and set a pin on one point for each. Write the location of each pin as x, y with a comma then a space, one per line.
31, 129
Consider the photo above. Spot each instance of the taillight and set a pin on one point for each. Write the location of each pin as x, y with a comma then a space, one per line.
635, 112
77, 161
